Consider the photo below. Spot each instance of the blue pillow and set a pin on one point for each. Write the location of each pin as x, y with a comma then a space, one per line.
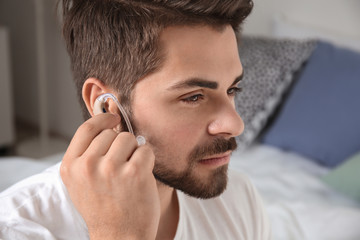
321, 116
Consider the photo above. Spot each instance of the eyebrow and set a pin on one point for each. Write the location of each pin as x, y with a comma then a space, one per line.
199, 82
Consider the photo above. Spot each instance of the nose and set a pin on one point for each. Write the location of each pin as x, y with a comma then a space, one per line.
227, 121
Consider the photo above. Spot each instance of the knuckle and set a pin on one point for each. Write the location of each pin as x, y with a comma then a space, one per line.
86, 167
87, 127
108, 131
132, 170
64, 170
108, 168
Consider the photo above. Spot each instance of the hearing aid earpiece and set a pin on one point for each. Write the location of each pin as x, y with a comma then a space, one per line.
100, 107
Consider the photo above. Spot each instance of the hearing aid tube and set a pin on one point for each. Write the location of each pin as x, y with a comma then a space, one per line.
99, 107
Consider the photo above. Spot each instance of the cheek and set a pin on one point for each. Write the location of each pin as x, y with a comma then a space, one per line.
174, 130
171, 131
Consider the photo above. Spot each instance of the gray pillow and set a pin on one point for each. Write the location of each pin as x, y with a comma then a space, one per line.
269, 69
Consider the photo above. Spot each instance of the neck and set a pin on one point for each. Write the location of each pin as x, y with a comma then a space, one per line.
169, 212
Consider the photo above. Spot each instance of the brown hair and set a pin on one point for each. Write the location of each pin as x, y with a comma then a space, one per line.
116, 41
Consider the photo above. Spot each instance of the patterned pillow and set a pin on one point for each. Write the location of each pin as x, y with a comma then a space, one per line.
269, 68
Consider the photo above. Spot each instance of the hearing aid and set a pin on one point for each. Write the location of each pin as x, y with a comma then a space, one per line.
100, 107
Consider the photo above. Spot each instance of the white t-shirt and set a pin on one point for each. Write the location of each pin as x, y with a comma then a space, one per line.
40, 208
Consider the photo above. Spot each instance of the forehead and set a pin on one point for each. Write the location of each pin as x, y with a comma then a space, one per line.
200, 50
195, 52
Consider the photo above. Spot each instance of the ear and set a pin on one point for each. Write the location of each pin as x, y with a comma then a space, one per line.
92, 89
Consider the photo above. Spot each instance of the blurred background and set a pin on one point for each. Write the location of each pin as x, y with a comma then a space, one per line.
39, 107
40, 110
305, 161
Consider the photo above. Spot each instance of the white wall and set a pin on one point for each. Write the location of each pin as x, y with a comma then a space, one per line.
17, 16
339, 16
63, 107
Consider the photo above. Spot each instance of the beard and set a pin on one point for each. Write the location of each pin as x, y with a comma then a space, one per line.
187, 180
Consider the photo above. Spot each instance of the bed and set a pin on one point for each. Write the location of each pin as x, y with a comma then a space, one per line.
301, 206
301, 144
302, 140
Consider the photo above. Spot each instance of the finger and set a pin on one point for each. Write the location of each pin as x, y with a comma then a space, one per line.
89, 130
144, 157
122, 147
101, 143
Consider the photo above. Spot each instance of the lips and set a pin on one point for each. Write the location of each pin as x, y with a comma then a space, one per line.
215, 160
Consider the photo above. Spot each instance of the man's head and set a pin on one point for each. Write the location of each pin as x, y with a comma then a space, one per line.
117, 41
175, 67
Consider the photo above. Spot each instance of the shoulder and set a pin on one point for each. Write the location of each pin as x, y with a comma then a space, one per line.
243, 196
238, 213
31, 187
37, 205
240, 186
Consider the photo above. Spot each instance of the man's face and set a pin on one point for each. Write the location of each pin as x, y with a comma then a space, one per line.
186, 109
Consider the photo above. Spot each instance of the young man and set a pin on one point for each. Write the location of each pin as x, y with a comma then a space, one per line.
174, 65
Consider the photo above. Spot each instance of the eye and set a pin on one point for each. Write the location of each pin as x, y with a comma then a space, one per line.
233, 91
193, 99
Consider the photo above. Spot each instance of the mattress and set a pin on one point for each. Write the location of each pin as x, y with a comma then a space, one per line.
299, 204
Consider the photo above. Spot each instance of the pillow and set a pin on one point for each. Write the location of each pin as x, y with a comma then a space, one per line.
321, 117
269, 67
345, 178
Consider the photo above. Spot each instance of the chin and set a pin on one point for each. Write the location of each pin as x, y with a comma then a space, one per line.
192, 184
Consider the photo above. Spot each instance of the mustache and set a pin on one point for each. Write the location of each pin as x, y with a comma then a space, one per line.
217, 146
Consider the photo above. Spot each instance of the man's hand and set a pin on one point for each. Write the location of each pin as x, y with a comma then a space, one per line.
110, 181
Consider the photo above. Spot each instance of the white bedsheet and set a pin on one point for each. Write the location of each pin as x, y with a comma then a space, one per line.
299, 204
14, 169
